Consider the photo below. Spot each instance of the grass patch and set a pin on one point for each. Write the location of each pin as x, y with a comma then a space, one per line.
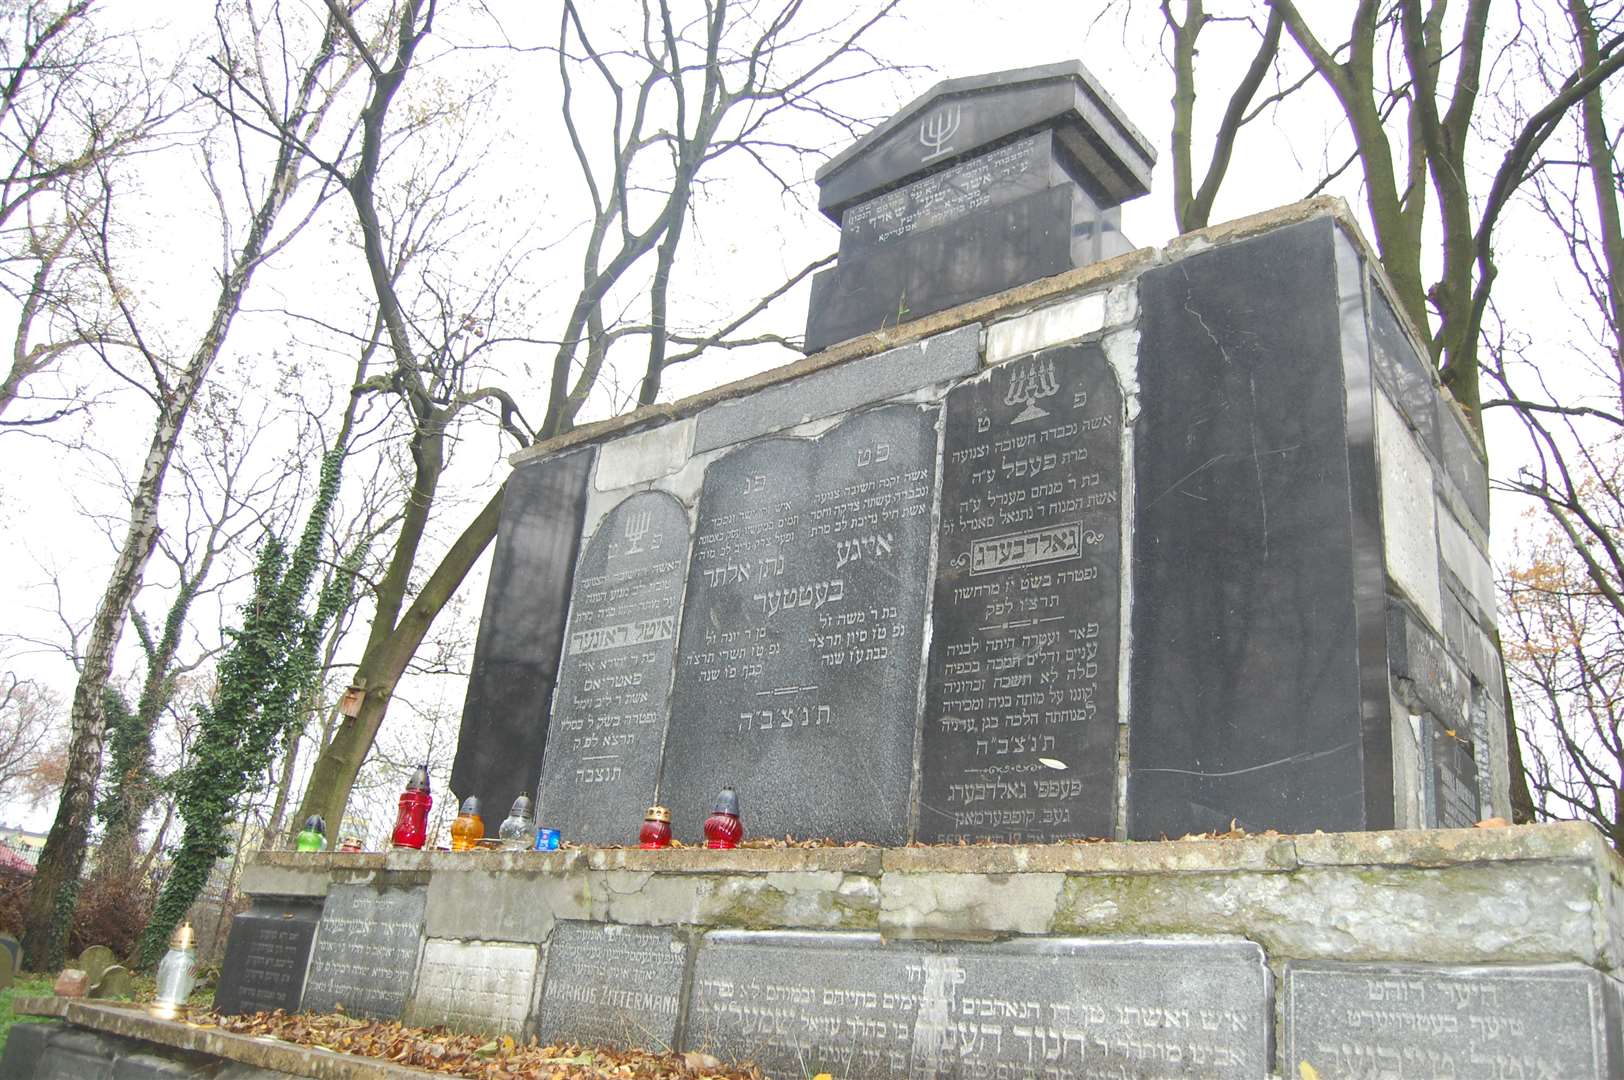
26, 986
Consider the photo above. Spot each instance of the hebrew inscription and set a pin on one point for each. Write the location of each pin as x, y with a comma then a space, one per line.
366, 950
475, 986
1409, 1022
611, 984
267, 956
998, 176
609, 714
801, 634
1067, 1008
1021, 712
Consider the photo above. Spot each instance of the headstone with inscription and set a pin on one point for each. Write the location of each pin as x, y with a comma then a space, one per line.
367, 947
979, 185
477, 986
1420, 1020
1020, 715
798, 1003
797, 675
612, 985
268, 956
614, 681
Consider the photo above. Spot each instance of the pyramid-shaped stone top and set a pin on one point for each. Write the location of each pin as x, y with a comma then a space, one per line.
962, 117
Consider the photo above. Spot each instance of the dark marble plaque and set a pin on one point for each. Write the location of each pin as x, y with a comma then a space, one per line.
267, 956
1259, 599
1020, 725
505, 713
1416, 1022
1451, 767
614, 681
612, 985
1400, 368
800, 1003
797, 677
367, 948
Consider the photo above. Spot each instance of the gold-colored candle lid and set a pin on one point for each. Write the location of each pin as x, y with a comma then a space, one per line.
658, 813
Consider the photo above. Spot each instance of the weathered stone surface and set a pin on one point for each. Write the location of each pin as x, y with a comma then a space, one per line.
799, 656
614, 985
475, 986
367, 946
95, 960
267, 957
1020, 728
1464, 464
25, 1043
825, 393
1406, 1020
71, 983
521, 630
804, 1003
76, 1055
614, 681
1402, 372
1409, 528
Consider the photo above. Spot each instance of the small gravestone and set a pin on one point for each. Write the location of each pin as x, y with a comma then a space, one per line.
267, 957
115, 982
798, 1003
797, 680
14, 947
367, 946
614, 680
612, 985
8, 969
474, 986
1439, 1020
95, 960
1021, 715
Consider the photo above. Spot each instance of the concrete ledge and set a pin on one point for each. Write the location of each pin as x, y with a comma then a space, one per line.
135, 1023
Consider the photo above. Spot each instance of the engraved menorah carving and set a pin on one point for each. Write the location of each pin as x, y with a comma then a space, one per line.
637, 526
1028, 384
936, 132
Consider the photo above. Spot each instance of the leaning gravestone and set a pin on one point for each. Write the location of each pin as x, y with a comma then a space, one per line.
614, 681
612, 985
1436, 1020
268, 957
115, 982
8, 969
796, 636
1020, 715
367, 946
95, 960
798, 1003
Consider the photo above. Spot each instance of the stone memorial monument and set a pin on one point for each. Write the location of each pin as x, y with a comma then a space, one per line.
1052, 542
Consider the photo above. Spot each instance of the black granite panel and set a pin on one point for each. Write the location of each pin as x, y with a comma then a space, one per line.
1246, 692
614, 682
1463, 464
798, 663
1402, 370
1415, 1020
367, 948
934, 269
267, 956
1451, 772
505, 713
1020, 729
801, 1003
1417, 654
613, 985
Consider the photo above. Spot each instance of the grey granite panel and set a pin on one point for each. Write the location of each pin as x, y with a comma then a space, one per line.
1020, 732
367, 949
1403, 372
614, 681
802, 1003
481, 986
613, 985
837, 389
1418, 655
72, 1054
1463, 464
1421, 1021
25, 1045
798, 672
506, 711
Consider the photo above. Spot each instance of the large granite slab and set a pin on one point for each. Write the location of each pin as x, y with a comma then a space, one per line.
1421, 1021
267, 956
478, 986
1020, 729
367, 948
506, 711
612, 985
798, 663
801, 1003
1259, 686
614, 681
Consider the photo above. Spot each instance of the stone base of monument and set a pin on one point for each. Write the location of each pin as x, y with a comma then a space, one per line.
1470, 952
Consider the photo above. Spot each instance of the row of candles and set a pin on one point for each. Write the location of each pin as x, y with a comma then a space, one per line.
519, 831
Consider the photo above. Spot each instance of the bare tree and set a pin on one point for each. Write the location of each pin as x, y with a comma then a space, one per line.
31, 716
